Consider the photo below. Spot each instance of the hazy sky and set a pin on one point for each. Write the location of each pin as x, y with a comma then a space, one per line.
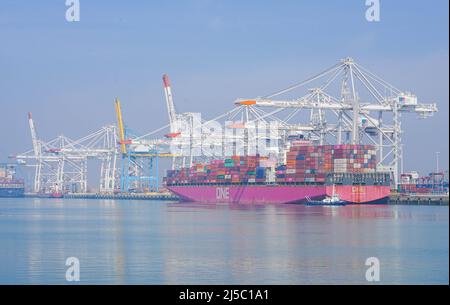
215, 51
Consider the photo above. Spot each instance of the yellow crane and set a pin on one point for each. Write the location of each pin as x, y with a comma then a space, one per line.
123, 142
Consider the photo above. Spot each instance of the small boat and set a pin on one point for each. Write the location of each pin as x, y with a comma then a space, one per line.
334, 200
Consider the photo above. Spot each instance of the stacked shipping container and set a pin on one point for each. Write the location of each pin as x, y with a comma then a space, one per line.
306, 163
434, 183
237, 169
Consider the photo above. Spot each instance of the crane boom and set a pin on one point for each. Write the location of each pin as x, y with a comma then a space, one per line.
33, 135
169, 102
37, 153
123, 147
308, 104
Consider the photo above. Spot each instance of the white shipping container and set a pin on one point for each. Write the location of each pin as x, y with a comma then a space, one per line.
267, 163
338, 170
291, 171
340, 161
340, 166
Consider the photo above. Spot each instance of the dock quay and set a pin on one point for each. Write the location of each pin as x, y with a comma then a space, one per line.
122, 196
395, 198
413, 199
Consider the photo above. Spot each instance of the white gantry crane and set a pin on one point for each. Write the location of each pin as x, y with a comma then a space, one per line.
363, 109
61, 164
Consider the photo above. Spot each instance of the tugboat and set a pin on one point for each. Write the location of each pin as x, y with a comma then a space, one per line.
334, 200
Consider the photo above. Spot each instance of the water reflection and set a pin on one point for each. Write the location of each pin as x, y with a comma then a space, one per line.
177, 243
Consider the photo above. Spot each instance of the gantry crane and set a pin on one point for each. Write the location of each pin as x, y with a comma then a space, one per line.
140, 157
359, 110
61, 164
139, 170
345, 103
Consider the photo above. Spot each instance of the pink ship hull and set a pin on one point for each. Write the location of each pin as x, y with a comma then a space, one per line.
245, 194
362, 194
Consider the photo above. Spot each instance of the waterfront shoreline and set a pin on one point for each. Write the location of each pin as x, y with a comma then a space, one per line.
395, 199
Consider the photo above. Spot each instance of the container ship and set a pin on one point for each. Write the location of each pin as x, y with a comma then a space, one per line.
312, 171
9, 185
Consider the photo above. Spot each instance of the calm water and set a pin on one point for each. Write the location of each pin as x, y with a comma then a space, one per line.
128, 242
